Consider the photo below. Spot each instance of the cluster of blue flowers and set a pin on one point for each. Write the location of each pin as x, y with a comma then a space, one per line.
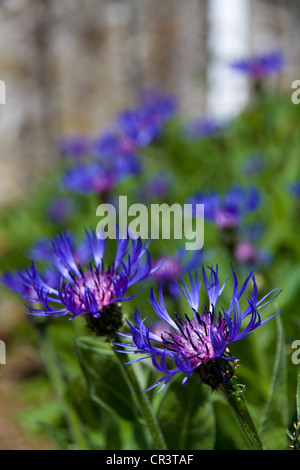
102, 163
77, 282
69, 288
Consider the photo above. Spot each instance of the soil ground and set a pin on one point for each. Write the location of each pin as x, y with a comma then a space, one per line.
12, 434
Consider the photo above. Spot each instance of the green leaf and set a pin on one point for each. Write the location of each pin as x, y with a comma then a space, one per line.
112, 432
275, 416
59, 436
32, 417
186, 416
105, 379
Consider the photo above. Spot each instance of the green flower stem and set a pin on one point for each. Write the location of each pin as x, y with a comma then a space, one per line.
55, 376
143, 402
235, 397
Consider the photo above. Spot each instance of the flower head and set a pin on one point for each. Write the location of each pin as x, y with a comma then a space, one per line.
227, 212
112, 144
197, 342
172, 267
60, 209
203, 127
75, 147
295, 189
156, 187
141, 125
91, 178
261, 66
136, 128
160, 106
247, 251
94, 290
98, 177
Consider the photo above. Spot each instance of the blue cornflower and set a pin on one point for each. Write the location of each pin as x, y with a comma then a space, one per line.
247, 251
42, 251
99, 177
295, 188
172, 267
76, 147
261, 66
91, 178
20, 282
135, 128
138, 128
112, 145
161, 107
227, 212
203, 127
141, 125
60, 209
94, 291
107, 145
156, 187
199, 342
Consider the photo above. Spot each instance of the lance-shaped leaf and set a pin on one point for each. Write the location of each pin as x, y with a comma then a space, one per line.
186, 416
105, 379
275, 417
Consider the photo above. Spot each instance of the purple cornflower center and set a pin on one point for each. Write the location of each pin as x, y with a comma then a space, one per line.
245, 252
98, 283
128, 146
169, 270
194, 338
103, 184
226, 218
257, 70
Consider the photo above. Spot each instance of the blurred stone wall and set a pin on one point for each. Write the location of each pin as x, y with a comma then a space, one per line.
71, 65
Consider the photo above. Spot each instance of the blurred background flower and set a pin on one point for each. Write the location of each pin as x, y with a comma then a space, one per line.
203, 127
227, 211
261, 66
